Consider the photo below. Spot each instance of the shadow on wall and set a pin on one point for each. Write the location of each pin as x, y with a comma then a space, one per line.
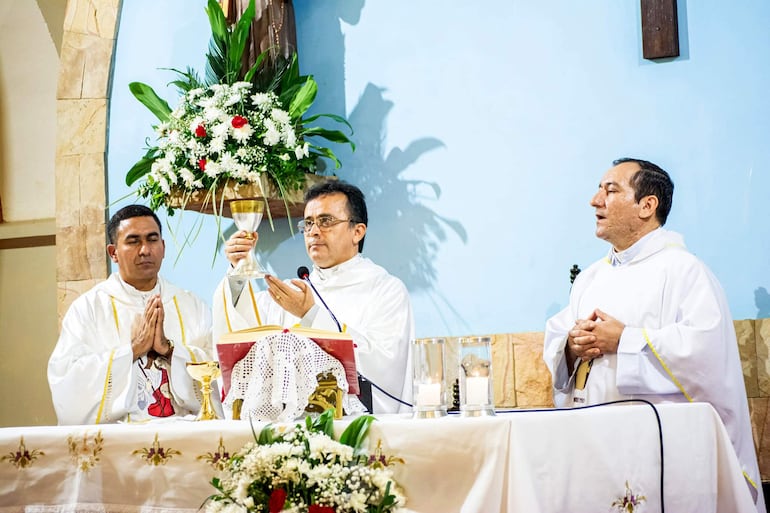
762, 301
405, 234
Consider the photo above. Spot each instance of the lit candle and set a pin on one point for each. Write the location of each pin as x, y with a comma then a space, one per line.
429, 394
476, 390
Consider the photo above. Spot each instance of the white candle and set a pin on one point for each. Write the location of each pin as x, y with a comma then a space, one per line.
477, 390
429, 394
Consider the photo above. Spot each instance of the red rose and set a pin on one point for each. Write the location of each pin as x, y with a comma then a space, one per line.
239, 121
315, 508
200, 131
277, 500
202, 164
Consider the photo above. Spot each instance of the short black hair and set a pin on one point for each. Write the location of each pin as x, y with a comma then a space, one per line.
127, 213
651, 180
356, 201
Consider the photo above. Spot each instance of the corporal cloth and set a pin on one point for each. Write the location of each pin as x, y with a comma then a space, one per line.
92, 373
371, 305
678, 344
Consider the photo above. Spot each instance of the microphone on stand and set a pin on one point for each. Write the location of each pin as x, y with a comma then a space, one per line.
364, 385
304, 274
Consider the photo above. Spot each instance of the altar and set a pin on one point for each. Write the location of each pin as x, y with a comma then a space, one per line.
582, 460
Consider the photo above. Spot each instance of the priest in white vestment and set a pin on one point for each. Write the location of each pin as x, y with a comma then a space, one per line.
124, 345
650, 321
363, 299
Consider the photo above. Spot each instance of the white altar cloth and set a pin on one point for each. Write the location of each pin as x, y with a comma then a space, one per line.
525, 461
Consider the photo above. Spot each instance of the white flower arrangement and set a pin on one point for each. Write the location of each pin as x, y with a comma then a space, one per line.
223, 131
302, 469
234, 125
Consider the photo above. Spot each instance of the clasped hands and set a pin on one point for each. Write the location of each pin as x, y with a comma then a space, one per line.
297, 298
593, 337
147, 330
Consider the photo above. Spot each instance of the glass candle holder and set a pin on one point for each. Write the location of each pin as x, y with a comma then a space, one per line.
475, 372
429, 381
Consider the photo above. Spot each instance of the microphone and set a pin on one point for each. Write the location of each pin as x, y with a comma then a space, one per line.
304, 274
364, 385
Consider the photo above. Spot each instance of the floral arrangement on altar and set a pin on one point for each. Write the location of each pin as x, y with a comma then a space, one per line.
303, 469
235, 125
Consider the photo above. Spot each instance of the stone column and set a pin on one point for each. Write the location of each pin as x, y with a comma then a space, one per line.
82, 98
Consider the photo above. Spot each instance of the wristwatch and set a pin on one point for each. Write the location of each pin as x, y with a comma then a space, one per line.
170, 344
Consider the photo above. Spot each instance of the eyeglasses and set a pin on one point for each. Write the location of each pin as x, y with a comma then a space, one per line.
323, 222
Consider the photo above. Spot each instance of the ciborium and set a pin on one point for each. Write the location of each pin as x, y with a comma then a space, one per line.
204, 372
247, 214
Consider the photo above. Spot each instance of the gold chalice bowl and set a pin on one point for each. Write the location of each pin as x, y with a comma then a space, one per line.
204, 372
247, 214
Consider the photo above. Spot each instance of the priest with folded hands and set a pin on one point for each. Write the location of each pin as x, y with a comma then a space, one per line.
124, 345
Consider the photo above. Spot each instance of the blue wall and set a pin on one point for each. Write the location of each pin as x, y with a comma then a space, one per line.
482, 132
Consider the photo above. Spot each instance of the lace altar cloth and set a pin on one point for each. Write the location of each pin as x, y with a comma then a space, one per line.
279, 374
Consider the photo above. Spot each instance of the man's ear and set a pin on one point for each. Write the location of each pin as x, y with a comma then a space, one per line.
112, 251
358, 233
649, 205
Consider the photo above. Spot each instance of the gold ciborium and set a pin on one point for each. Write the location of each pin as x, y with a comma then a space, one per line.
204, 372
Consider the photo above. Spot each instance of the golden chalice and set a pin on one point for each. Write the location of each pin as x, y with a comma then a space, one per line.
204, 372
247, 214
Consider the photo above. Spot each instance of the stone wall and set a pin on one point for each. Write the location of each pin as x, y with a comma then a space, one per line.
521, 379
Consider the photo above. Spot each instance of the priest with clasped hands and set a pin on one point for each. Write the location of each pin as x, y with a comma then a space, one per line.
649, 321
124, 345
363, 299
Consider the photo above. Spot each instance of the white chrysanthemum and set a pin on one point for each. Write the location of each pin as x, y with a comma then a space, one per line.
217, 144
188, 178
261, 99
280, 116
220, 129
228, 162
174, 138
212, 169
164, 186
243, 133
272, 135
242, 172
213, 113
357, 501
232, 98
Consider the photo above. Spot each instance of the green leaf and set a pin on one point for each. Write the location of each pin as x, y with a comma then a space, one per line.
303, 99
338, 119
151, 100
330, 135
216, 64
329, 154
355, 434
266, 436
142, 167
238, 39
324, 423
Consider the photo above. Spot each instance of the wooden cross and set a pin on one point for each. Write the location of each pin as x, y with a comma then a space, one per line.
660, 29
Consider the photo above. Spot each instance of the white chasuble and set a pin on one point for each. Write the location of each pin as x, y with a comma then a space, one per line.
678, 343
92, 373
369, 303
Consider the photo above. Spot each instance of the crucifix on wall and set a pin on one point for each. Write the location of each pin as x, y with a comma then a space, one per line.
660, 29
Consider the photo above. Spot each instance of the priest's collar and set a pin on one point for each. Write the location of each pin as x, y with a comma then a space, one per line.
139, 295
329, 272
618, 258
